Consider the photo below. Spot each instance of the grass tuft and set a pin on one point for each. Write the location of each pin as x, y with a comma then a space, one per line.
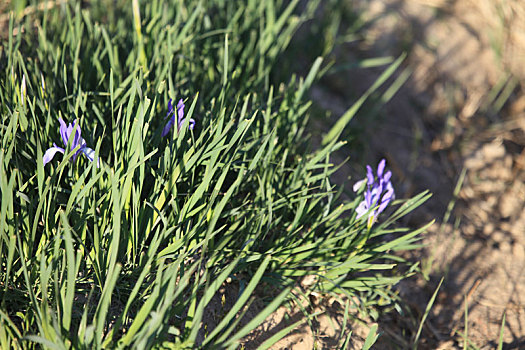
130, 249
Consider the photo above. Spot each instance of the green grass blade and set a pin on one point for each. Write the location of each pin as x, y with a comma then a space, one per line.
371, 337
427, 311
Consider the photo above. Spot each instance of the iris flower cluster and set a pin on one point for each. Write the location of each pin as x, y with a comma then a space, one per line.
180, 118
77, 143
378, 194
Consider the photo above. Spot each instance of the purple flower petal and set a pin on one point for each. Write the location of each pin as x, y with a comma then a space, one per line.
90, 154
390, 188
77, 139
168, 126
63, 131
358, 184
387, 176
368, 198
387, 197
376, 191
170, 108
69, 130
381, 167
50, 153
180, 112
361, 209
369, 175
181, 124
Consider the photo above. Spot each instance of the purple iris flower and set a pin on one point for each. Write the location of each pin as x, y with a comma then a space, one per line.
180, 118
76, 143
378, 194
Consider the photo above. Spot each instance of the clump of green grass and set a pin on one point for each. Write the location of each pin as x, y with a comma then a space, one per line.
128, 252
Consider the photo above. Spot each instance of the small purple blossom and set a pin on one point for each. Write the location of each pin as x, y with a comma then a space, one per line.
77, 143
180, 118
378, 194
